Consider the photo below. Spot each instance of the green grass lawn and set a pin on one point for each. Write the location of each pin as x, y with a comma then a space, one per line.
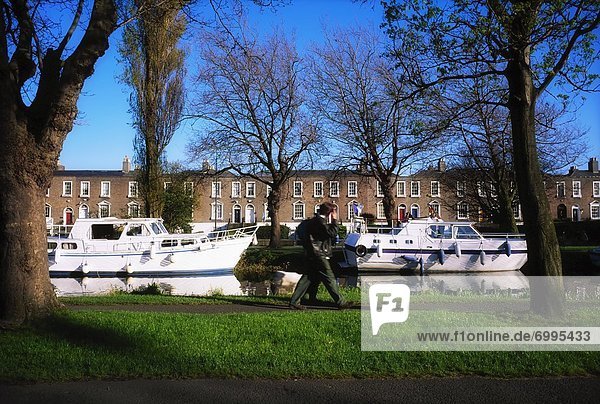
97, 344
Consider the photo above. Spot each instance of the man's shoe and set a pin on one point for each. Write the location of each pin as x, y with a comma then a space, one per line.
345, 305
296, 306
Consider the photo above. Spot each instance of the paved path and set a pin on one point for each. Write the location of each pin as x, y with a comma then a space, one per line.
426, 390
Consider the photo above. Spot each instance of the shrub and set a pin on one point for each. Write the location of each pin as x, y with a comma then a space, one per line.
256, 266
264, 232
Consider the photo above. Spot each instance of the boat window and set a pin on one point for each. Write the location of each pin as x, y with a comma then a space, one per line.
168, 243
440, 231
185, 242
68, 246
163, 228
107, 231
137, 230
466, 232
52, 245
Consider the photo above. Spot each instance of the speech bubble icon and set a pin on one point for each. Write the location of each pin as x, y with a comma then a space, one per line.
388, 303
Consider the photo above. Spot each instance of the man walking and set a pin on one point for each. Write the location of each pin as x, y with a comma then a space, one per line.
319, 232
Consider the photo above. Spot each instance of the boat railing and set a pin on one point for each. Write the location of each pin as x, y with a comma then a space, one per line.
231, 234
504, 235
59, 230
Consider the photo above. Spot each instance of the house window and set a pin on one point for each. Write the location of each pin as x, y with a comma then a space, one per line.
268, 191
216, 211
84, 189
480, 190
379, 193
67, 188
400, 188
415, 188
560, 189
318, 189
576, 189
105, 189
380, 211
47, 192
297, 189
266, 215
298, 211
166, 185
334, 189
133, 209
516, 207
435, 189
133, 190
595, 210
352, 189
251, 190
215, 189
236, 189
104, 209
434, 209
462, 211
596, 189
48, 210
460, 189
188, 188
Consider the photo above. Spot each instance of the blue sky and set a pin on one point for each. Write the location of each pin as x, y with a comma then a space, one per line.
103, 135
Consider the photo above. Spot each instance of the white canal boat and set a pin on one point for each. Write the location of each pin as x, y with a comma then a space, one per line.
432, 245
111, 247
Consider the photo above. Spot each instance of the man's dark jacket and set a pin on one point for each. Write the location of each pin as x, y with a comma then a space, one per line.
320, 234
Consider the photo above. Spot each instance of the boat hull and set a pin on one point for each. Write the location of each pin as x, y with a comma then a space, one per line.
214, 259
369, 252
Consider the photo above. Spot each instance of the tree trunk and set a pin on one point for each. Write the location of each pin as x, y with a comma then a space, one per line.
543, 251
25, 288
506, 217
274, 203
389, 203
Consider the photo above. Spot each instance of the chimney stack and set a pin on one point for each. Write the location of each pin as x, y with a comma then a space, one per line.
126, 165
441, 165
593, 165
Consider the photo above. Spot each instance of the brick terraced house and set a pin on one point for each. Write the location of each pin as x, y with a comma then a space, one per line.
228, 198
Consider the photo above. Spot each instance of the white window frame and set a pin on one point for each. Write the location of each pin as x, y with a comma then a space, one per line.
436, 207
460, 214
561, 185
47, 192
188, 188
218, 207
352, 189
104, 192
596, 189
268, 191
595, 210
318, 189
379, 192
47, 210
67, 188
576, 189
416, 194
461, 187
166, 185
266, 216
216, 189
236, 189
133, 189
130, 209
516, 207
83, 194
380, 210
334, 189
102, 205
299, 214
83, 207
437, 193
401, 188
251, 189
298, 188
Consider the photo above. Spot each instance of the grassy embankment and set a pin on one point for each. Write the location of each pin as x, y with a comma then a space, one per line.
104, 344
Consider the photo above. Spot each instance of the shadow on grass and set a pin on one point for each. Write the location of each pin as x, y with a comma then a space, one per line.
82, 333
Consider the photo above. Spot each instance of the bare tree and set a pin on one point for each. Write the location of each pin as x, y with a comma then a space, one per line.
154, 70
252, 104
41, 77
530, 45
359, 99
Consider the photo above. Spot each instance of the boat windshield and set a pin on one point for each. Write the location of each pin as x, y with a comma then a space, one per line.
159, 228
466, 232
440, 231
